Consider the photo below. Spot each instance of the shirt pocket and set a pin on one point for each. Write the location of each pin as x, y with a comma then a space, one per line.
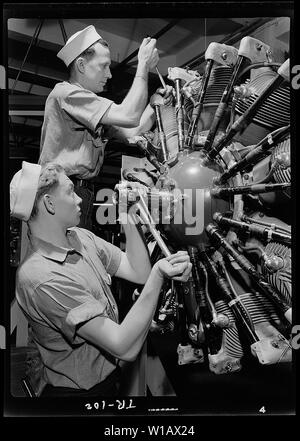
96, 138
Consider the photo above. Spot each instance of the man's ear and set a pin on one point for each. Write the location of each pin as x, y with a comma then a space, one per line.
48, 203
80, 64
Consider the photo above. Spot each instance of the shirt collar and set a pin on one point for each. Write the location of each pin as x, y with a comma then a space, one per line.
55, 252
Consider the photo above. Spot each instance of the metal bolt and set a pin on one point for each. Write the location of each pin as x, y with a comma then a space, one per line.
275, 344
228, 367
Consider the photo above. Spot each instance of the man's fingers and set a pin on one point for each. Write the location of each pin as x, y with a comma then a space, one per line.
188, 269
184, 276
152, 42
180, 267
178, 257
161, 90
177, 254
165, 90
145, 41
148, 41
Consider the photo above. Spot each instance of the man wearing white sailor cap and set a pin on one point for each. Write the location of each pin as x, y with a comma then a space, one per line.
63, 287
78, 122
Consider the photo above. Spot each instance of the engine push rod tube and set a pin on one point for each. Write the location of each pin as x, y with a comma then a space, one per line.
260, 232
234, 303
220, 320
221, 192
223, 104
277, 298
244, 120
156, 101
199, 105
161, 133
179, 115
273, 226
256, 154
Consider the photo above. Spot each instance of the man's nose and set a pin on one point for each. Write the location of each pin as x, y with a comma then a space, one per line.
109, 73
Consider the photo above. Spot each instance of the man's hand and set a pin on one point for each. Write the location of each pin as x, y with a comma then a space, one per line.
166, 93
176, 267
148, 54
133, 140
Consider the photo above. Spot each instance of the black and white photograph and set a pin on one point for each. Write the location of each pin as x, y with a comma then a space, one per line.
148, 212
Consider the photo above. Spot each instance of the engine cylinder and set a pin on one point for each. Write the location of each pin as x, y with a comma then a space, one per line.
274, 112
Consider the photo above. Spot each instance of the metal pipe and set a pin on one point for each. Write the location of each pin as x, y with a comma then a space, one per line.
179, 115
33, 39
161, 133
161, 78
276, 297
254, 230
273, 226
199, 104
222, 192
63, 30
256, 153
257, 66
234, 303
147, 219
223, 104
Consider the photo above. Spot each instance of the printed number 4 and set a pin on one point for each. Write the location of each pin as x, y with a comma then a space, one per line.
262, 410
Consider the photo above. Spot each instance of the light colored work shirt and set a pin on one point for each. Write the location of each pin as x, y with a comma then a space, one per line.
59, 289
72, 134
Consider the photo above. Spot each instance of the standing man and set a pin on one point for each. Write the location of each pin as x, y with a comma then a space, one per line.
75, 129
63, 286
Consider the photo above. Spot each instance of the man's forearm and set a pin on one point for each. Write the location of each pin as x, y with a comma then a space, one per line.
136, 99
125, 340
146, 123
137, 252
138, 320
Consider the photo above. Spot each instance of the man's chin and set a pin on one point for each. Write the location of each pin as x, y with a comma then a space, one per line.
75, 223
100, 88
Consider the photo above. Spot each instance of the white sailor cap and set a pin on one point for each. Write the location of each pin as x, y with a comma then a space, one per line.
23, 189
78, 43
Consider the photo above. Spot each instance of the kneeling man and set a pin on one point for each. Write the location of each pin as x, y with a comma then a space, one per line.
63, 286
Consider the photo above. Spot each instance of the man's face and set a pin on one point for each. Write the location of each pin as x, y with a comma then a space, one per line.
66, 203
97, 69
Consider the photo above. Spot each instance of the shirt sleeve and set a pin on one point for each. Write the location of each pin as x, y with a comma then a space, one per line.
85, 107
64, 304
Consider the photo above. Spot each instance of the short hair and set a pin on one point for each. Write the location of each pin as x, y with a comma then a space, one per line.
48, 181
87, 53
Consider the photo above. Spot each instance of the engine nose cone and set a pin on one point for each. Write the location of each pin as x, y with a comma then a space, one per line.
194, 176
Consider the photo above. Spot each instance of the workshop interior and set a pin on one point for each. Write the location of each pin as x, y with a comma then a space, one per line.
213, 177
